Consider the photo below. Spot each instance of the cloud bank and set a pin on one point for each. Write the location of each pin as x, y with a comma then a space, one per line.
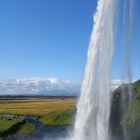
115, 84
38, 86
43, 87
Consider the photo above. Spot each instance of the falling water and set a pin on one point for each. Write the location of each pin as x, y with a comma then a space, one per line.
93, 109
128, 21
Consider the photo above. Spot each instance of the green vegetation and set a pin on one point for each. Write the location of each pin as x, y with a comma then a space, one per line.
6, 123
132, 112
58, 118
26, 129
56, 111
7, 139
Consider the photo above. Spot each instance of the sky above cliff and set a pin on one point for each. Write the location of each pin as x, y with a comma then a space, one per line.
49, 38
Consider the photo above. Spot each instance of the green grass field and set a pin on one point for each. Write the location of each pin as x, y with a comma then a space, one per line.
36, 107
58, 118
5, 124
26, 129
55, 111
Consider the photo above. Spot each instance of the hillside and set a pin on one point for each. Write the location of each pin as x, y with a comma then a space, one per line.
125, 114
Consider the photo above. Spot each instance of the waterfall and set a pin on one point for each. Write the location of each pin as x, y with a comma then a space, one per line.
93, 109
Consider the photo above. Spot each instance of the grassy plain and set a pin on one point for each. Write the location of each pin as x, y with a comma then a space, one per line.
5, 124
26, 129
58, 118
36, 106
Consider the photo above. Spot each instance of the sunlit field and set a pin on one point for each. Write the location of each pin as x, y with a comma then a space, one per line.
36, 107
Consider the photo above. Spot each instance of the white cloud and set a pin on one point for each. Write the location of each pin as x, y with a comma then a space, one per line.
118, 82
38, 86
53, 80
115, 83
44, 86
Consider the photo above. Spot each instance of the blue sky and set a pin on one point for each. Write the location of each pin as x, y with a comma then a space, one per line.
119, 69
49, 38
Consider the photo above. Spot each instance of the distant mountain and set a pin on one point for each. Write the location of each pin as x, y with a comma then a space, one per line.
38, 86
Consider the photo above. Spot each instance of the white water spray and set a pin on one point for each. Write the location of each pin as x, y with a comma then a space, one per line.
93, 109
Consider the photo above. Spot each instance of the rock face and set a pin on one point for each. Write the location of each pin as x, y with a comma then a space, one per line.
125, 116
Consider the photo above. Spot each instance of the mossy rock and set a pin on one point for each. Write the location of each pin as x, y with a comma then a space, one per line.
126, 113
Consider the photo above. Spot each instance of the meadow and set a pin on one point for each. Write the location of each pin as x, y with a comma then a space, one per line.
36, 106
5, 123
49, 111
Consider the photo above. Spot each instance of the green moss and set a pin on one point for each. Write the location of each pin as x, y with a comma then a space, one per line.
132, 114
136, 89
26, 129
58, 118
132, 109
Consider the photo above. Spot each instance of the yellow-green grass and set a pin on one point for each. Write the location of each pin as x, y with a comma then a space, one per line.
36, 107
58, 118
5, 124
26, 129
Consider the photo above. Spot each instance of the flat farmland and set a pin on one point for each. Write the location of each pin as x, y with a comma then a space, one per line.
36, 106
